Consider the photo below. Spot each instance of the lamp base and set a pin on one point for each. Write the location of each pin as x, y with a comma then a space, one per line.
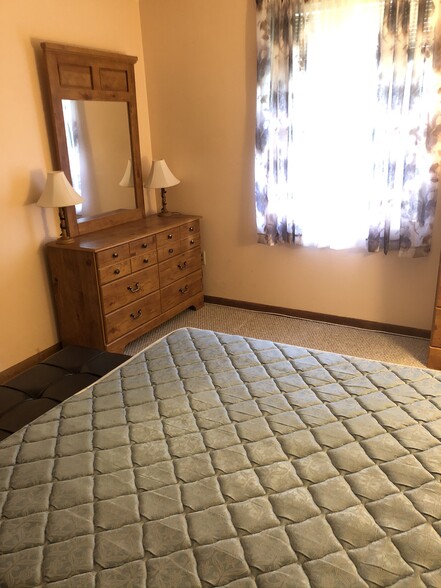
64, 237
164, 211
167, 213
62, 240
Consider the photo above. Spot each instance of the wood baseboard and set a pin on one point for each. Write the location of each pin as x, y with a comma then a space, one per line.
28, 363
302, 314
327, 318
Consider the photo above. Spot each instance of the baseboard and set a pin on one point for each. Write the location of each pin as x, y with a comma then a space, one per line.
302, 314
316, 316
28, 363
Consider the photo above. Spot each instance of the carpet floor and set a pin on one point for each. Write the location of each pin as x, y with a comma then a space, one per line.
354, 341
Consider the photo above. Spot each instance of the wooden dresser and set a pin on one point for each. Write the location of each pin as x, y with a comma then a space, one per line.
114, 285
434, 361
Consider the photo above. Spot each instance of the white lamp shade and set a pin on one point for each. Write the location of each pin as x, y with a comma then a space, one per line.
160, 176
58, 192
127, 179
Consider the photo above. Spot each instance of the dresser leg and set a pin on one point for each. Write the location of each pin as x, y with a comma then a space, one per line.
199, 303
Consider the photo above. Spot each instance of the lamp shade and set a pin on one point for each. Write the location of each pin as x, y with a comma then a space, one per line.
127, 179
160, 176
58, 192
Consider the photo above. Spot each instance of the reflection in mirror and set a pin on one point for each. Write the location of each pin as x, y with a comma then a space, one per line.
98, 143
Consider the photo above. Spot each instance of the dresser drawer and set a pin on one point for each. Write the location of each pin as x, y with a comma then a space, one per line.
167, 252
168, 238
112, 255
181, 290
142, 245
191, 242
179, 267
147, 259
127, 290
112, 272
133, 315
189, 229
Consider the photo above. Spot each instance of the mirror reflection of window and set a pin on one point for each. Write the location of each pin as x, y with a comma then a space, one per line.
73, 147
99, 147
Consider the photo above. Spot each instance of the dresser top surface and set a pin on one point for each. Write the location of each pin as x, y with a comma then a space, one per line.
124, 233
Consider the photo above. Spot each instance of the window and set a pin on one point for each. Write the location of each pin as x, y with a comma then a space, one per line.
345, 103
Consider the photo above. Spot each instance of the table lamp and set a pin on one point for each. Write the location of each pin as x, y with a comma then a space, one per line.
58, 193
161, 177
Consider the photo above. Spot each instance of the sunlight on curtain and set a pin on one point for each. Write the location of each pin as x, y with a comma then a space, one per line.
317, 107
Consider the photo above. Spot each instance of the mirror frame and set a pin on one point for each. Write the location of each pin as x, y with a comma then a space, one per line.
77, 73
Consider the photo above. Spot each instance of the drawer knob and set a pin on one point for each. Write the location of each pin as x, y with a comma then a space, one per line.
136, 316
135, 288
169, 236
145, 260
184, 289
144, 245
117, 271
115, 255
182, 266
191, 229
170, 250
192, 242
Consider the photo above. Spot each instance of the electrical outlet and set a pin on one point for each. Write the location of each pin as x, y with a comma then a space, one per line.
203, 258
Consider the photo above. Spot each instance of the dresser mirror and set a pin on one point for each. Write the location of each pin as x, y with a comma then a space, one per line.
98, 145
94, 115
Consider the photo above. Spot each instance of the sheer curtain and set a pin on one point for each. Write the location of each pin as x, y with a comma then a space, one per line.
331, 101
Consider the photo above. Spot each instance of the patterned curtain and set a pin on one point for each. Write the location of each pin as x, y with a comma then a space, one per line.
343, 158
402, 206
281, 61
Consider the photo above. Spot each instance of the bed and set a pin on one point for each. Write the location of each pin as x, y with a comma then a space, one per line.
211, 459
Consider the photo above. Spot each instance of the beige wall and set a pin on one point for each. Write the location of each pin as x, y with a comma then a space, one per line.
27, 323
200, 67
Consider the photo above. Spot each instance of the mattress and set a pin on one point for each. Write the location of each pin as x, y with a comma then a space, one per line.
217, 460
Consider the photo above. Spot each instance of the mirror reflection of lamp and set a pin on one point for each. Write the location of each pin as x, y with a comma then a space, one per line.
58, 193
161, 177
127, 179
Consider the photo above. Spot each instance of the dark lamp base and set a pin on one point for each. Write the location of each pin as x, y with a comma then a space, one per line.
167, 213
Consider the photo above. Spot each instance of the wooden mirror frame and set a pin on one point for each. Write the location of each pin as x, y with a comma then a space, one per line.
76, 73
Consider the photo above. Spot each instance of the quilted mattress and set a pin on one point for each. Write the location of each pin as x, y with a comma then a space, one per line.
217, 460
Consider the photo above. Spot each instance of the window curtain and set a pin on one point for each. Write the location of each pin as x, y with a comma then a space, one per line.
347, 124
403, 201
